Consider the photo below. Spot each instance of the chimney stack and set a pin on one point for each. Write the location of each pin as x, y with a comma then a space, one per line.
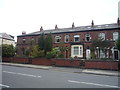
41, 29
56, 27
73, 26
92, 24
118, 21
23, 32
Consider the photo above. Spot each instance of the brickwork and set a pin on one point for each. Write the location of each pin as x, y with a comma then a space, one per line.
97, 64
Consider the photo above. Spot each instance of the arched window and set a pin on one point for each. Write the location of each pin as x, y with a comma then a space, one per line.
66, 38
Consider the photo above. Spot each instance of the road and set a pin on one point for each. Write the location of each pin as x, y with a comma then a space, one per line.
22, 77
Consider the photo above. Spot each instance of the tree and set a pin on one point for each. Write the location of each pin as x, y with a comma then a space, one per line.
62, 50
54, 53
48, 43
41, 41
8, 50
99, 44
36, 52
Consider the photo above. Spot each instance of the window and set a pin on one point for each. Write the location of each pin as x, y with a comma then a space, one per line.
87, 37
66, 38
57, 39
76, 38
23, 51
32, 38
115, 35
101, 36
24, 40
32, 41
80, 50
77, 50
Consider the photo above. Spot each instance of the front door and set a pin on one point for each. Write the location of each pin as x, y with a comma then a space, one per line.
116, 55
87, 53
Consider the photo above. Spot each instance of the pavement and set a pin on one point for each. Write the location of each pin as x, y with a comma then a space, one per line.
68, 69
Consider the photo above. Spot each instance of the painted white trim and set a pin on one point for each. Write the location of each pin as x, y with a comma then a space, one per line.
88, 55
72, 51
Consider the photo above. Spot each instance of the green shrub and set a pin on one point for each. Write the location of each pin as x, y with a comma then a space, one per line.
93, 56
53, 54
49, 55
36, 52
8, 50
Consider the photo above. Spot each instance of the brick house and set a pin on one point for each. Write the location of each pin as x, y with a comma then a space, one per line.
78, 39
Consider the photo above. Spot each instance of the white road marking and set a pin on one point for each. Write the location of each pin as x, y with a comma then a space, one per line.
4, 85
22, 74
93, 84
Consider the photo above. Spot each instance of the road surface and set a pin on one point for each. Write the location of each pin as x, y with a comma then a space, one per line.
22, 77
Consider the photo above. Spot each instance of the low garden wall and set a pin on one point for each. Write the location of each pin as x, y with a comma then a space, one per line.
73, 63
112, 65
16, 60
41, 61
87, 64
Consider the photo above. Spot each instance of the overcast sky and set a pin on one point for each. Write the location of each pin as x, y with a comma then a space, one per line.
29, 15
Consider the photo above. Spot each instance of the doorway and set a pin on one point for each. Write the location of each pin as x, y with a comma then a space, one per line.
88, 56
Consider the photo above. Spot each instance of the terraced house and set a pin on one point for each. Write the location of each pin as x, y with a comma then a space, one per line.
78, 39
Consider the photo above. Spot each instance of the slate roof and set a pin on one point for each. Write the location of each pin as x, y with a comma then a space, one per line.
6, 36
76, 29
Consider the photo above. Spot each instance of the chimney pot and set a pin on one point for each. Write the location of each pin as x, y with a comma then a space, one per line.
118, 21
56, 27
73, 26
41, 29
92, 24
23, 32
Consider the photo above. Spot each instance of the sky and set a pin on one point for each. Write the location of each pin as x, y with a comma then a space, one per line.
29, 15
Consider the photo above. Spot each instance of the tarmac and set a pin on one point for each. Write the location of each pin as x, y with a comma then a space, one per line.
68, 69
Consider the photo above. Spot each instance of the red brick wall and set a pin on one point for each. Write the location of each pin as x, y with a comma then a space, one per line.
41, 61
67, 63
4, 59
15, 60
20, 60
110, 65
113, 65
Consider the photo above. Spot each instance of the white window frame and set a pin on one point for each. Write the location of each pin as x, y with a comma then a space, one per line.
56, 38
66, 37
87, 35
115, 35
77, 36
101, 36
80, 51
